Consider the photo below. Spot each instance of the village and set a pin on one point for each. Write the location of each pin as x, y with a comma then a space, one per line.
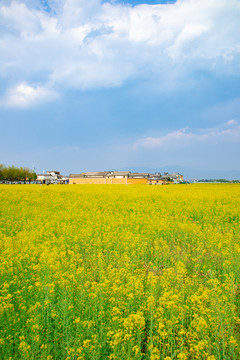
110, 177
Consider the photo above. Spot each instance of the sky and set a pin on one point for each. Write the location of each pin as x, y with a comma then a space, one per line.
110, 85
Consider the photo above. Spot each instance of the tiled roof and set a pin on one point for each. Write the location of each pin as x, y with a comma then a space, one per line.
96, 173
118, 173
76, 176
138, 175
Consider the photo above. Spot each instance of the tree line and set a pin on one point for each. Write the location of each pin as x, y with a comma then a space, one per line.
218, 181
13, 173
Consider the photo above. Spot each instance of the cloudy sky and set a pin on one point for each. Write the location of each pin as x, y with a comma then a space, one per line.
99, 85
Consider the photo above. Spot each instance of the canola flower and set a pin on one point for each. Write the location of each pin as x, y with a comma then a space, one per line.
120, 272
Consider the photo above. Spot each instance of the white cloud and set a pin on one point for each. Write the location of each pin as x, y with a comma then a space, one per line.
232, 122
24, 96
86, 44
189, 34
226, 133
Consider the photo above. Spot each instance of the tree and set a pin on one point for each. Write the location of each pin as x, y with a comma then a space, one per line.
12, 173
32, 176
1, 171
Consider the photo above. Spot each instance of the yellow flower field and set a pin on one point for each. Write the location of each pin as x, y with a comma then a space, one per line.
120, 272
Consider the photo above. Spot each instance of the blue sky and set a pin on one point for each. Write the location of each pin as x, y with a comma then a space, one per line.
92, 85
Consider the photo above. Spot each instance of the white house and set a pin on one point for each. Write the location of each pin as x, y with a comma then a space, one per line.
52, 177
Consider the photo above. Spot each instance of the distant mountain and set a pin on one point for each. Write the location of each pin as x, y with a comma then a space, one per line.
188, 173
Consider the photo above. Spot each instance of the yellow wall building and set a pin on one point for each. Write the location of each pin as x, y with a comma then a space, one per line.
106, 181
122, 177
114, 177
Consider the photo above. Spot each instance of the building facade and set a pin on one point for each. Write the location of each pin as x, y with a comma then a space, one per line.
52, 177
118, 177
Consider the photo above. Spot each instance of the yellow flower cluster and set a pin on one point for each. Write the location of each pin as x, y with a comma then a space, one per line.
120, 272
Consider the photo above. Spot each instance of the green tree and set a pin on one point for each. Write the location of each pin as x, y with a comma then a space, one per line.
32, 176
13, 173
1, 171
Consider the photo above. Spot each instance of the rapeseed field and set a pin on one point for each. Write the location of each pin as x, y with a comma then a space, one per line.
120, 272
